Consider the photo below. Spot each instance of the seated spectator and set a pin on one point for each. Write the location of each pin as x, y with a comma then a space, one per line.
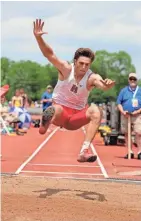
24, 97
17, 100
4, 106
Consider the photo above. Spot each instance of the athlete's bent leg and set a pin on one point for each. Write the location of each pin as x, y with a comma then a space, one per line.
51, 115
94, 114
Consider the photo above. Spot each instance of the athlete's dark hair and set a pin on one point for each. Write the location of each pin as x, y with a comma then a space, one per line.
86, 52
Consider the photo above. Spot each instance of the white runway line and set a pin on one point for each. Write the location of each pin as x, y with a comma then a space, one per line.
61, 165
98, 159
36, 151
63, 173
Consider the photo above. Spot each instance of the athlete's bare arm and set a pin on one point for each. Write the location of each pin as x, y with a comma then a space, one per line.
63, 66
95, 80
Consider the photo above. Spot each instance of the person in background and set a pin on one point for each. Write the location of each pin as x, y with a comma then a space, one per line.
129, 102
46, 99
17, 100
4, 102
10, 118
24, 96
4, 105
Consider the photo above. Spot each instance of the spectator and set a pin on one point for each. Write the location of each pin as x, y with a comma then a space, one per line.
4, 103
129, 102
11, 119
24, 96
17, 100
46, 99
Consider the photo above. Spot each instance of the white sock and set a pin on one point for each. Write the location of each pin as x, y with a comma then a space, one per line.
85, 146
131, 151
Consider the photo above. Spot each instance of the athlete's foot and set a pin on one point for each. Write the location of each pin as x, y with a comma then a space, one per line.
86, 157
46, 119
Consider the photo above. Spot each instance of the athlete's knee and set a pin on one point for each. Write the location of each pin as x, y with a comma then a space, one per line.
94, 113
58, 112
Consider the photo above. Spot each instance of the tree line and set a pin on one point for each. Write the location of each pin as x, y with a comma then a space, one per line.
34, 77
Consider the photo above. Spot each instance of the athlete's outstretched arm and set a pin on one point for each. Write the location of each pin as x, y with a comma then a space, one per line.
47, 51
97, 81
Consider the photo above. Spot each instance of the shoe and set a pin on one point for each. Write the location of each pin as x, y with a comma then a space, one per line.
22, 131
132, 156
86, 157
19, 133
139, 156
46, 119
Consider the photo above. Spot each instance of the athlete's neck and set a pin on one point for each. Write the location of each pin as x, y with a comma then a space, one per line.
78, 78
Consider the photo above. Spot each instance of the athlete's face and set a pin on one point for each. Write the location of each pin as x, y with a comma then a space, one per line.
82, 64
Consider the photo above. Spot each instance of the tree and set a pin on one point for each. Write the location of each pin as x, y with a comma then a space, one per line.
34, 77
5, 67
115, 66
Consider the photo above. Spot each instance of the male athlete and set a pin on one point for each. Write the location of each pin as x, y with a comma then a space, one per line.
75, 81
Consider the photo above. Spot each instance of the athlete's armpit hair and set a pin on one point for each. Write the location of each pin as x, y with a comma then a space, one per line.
59, 70
86, 52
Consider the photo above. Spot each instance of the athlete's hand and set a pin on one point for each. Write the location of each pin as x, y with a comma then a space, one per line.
38, 28
108, 83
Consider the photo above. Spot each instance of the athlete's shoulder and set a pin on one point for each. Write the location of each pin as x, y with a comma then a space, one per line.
67, 66
94, 75
65, 71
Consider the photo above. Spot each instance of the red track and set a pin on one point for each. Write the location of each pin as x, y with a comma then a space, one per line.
57, 157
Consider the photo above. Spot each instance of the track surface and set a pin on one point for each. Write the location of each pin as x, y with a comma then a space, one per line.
38, 192
55, 155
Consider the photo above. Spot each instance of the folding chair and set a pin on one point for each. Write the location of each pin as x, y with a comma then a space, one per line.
3, 92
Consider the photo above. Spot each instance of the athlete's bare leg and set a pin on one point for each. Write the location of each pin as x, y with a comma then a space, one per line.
94, 114
51, 115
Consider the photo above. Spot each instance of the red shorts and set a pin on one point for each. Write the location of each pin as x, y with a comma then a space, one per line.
73, 119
